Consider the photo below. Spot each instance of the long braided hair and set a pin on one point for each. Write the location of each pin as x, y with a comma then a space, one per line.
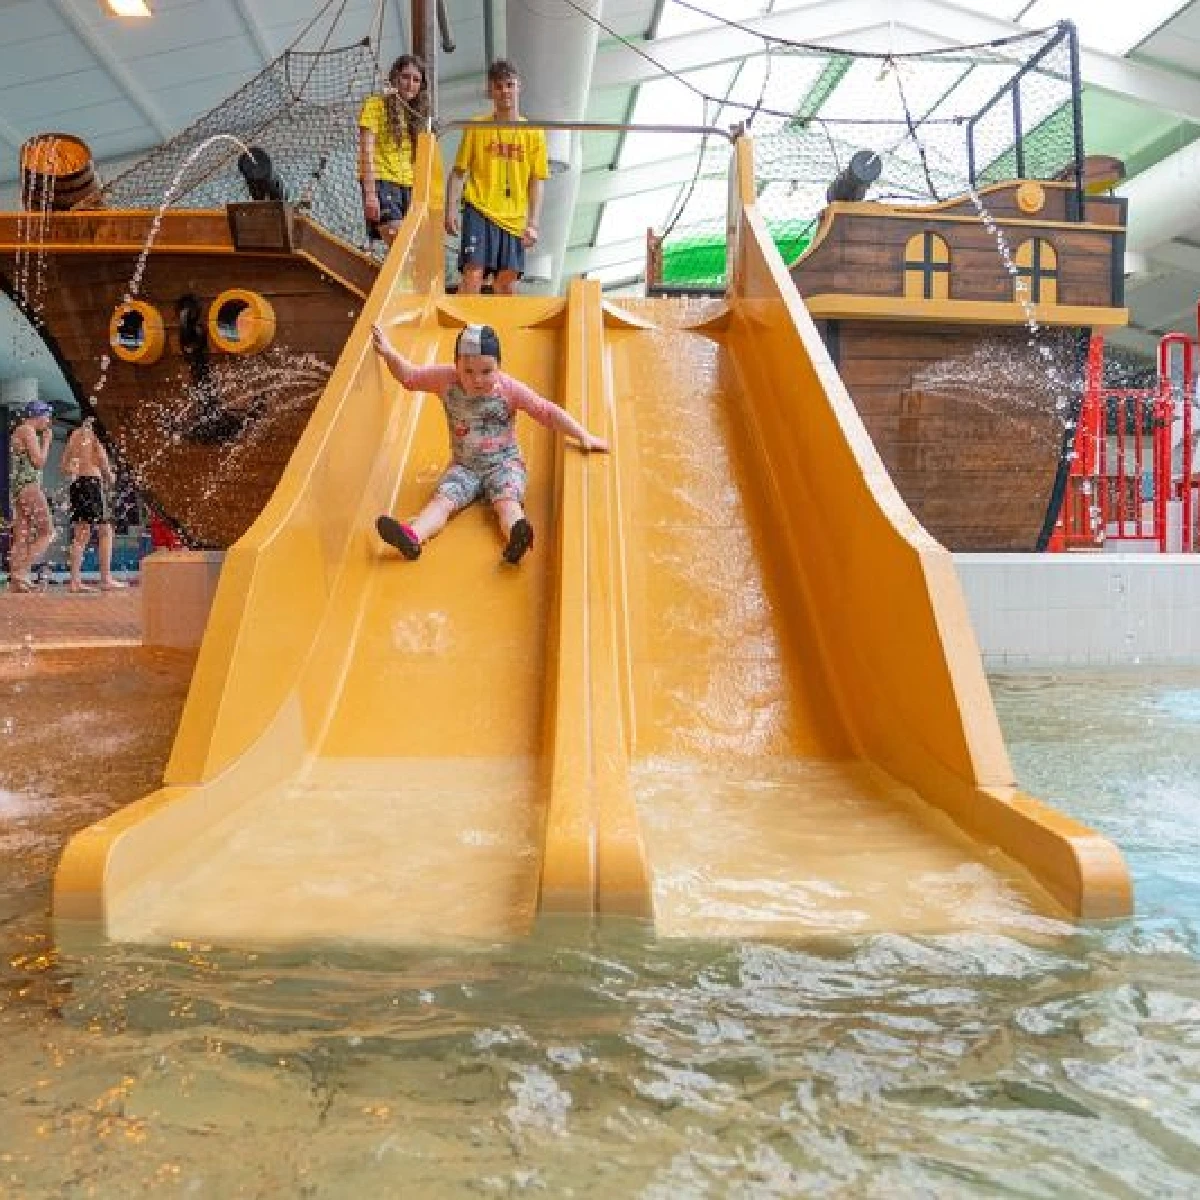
406, 116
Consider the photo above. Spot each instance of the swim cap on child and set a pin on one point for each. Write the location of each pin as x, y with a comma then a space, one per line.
477, 339
38, 408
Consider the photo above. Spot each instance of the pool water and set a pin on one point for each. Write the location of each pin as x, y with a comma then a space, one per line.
608, 1065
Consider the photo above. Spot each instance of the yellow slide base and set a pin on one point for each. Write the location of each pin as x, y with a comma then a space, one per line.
734, 687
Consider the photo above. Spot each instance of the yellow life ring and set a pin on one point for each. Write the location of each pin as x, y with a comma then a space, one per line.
241, 322
136, 333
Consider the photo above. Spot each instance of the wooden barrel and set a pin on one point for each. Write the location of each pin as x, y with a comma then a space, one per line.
57, 174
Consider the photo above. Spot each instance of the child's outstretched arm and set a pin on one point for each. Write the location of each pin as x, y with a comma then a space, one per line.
399, 366
546, 412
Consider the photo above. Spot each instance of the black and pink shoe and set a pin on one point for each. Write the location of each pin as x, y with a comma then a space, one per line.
402, 537
520, 538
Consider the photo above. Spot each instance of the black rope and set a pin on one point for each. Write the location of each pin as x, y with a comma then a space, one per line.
912, 128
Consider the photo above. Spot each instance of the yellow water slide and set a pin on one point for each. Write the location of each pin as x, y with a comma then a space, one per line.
734, 688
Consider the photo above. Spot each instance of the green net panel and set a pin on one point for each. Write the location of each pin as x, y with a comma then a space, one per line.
942, 122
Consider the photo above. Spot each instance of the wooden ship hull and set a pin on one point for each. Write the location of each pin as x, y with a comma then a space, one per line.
963, 343
203, 371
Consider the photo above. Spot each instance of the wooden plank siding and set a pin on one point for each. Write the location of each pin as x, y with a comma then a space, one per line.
213, 491
967, 425
965, 409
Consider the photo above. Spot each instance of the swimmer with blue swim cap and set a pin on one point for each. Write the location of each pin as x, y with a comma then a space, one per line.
32, 526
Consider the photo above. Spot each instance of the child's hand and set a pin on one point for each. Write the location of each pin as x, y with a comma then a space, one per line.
530, 236
379, 340
593, 443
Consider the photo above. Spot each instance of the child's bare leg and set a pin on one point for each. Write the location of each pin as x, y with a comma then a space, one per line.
18, 550
409, 539
471, 283
508, 513
82, 535
431, 520
505, 284
518, 533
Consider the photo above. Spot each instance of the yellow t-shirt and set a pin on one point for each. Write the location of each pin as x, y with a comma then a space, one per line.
393, 159
499, 163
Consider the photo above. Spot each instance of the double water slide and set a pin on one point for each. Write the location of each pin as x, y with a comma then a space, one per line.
734, 688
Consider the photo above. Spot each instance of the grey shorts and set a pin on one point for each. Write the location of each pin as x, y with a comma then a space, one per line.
503, 481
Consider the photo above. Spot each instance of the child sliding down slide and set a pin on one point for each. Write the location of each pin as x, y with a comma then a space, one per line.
481, 405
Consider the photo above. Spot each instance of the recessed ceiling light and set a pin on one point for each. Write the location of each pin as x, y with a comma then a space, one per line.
128, 8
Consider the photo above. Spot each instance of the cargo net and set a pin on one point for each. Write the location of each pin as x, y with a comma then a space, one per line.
942, 122
302, 110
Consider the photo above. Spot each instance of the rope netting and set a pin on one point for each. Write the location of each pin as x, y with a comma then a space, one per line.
302, 109
941, 122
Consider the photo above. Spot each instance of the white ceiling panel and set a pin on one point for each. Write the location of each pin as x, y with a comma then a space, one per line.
217, 58
28, 21
23, 63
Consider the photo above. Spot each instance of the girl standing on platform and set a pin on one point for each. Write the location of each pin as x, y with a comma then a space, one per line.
388, 126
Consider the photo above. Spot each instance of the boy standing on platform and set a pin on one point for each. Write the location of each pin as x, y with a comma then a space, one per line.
498, 176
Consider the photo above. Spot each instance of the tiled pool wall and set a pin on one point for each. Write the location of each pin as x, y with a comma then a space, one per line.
1035, 610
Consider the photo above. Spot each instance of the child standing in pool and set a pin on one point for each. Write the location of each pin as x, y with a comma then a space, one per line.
387, 137
481, 405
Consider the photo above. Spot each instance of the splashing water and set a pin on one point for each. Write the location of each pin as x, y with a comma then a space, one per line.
139, 269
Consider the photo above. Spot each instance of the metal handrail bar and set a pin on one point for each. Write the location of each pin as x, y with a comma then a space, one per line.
730, 135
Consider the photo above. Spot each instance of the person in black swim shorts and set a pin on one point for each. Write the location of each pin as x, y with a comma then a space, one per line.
85, 461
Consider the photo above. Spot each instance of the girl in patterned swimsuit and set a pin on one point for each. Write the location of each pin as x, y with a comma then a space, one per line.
33, 527
481, 405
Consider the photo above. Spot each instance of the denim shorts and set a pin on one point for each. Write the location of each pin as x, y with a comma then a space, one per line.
394, 199
484, 244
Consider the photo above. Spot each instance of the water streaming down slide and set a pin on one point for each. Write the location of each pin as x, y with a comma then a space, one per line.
734, 686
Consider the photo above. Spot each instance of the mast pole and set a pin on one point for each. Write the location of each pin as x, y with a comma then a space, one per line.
424, 27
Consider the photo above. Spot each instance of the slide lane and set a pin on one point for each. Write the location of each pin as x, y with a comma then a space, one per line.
759, 812
418, 814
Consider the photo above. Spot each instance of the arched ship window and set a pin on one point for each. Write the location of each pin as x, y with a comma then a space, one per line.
1037, 272
241, 322
136, 333
926, 267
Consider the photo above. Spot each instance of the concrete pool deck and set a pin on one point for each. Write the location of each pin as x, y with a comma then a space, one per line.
1029, 610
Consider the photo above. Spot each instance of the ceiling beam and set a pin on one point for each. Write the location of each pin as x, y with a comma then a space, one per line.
945, 24
602, 184
1176, 256
934, 23
252, 26
582, 259
617, 66
68, 10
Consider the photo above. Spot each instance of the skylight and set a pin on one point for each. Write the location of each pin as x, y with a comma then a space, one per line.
1114, 26
667, 101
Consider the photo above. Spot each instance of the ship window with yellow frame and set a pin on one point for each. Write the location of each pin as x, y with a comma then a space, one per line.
1037, 272
926, 267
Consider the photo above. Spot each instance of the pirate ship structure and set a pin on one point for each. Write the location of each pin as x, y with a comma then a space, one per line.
956, 266
196, 303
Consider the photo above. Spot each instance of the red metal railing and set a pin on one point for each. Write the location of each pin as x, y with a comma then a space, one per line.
1122, 478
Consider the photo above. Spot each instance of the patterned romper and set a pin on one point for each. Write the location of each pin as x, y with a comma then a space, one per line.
487, 461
